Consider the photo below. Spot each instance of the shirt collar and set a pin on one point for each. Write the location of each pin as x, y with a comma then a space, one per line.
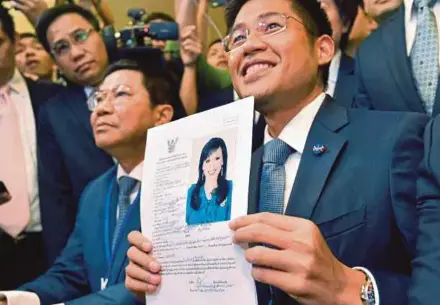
17, 84
334, 66
297, 130
136, 173
88, 91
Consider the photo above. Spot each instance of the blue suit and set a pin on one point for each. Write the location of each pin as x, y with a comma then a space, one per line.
68, 161
345, 88
426, 268
75, 277
360, 192
383, 71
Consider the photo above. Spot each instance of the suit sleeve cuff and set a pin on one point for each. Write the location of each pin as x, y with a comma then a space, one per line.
20, 298
373, 281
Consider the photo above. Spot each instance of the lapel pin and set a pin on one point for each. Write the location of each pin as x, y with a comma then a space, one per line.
319, 149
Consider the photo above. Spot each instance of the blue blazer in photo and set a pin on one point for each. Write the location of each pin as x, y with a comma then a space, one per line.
76, 276
209, 211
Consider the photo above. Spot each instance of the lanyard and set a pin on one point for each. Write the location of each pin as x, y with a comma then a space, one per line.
107, 243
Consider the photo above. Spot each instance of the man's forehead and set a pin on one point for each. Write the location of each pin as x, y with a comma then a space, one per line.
124, 77
58, 28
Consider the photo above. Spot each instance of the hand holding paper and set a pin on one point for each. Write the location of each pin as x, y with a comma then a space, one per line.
142, 272
299, 262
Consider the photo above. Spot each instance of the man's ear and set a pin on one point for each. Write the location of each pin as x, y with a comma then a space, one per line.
326, 49
163, 114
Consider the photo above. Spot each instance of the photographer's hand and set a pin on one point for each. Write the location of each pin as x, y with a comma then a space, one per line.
190, 46
32, 9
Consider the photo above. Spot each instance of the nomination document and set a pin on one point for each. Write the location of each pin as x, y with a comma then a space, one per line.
196, 179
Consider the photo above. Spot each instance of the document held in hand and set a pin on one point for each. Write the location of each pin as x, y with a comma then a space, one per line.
196, 179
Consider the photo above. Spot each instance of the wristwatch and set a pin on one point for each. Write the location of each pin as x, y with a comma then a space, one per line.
368, 293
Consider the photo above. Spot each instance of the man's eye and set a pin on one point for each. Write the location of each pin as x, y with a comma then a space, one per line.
270, 27
121, 93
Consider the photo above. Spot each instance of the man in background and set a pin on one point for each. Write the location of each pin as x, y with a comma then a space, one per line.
32, 59
22, 252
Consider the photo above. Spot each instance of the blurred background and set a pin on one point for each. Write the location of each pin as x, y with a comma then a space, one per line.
119, 9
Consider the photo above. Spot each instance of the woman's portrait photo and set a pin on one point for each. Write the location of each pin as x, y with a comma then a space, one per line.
209, 199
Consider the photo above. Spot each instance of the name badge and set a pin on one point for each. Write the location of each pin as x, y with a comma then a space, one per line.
104, 282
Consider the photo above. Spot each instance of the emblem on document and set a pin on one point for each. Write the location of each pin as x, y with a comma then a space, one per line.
172, 145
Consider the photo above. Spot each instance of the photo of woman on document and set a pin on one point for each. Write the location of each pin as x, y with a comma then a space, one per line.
209, 200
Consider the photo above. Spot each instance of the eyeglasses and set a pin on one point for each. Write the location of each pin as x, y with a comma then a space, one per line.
62, 47
267, 25
118, 95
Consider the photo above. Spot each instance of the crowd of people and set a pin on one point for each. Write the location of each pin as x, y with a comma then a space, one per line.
344, 197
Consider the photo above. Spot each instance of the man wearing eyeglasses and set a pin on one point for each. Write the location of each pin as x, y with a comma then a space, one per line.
69, 158
132, 98
332, 191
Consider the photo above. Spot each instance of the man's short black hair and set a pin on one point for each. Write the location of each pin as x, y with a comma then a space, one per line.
312, 15
347, 11
50, 15
158, 15
214, 42
7, 23
157, 81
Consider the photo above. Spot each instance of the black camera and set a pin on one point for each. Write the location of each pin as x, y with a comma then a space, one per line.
137, 34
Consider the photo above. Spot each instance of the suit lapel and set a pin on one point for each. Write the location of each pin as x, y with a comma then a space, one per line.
395, 44
314, 170
120, 256
254, 182
77, 104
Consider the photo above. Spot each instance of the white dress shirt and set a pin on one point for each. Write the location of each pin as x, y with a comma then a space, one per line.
19, 95
295, 135
411, 23
30, 298
333, 73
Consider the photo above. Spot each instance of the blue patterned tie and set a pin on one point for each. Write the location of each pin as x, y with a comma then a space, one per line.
126, 186
424, 54
273, 176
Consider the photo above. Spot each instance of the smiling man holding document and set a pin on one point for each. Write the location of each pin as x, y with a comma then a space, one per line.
332, 192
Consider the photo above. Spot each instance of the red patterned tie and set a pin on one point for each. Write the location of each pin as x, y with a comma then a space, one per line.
14, 215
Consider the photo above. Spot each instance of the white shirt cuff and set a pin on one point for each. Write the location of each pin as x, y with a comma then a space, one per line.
373, 281
20, 298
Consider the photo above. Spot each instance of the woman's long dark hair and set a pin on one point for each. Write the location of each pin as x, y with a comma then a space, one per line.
222, 185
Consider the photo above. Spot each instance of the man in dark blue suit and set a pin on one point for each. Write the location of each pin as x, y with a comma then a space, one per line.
90, 270
21, 240
384, 70
426, 268
341, 82
69, 158
339, 212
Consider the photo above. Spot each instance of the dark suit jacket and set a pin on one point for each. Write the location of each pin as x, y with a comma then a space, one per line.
383, 71
75, 277
41, 92
361, 192
346, 83
68, 160
426, 269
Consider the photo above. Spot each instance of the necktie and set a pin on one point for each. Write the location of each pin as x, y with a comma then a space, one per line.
14, 215
424, 54
273, 176
126, 186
